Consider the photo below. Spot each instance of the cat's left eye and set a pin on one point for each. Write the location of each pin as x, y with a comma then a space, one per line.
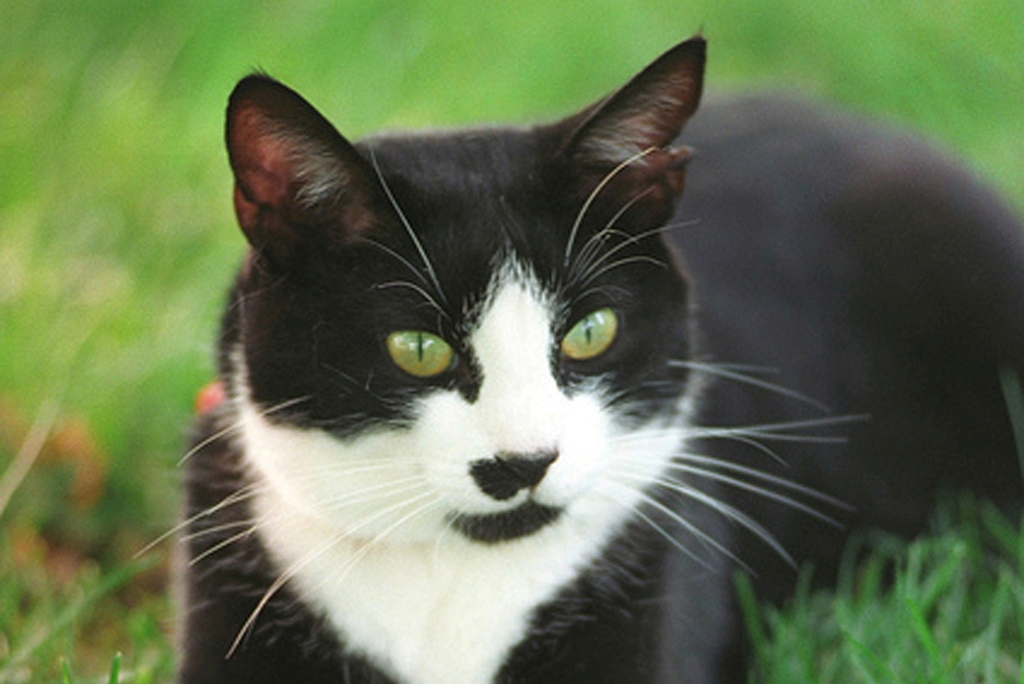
420, 353
591, 336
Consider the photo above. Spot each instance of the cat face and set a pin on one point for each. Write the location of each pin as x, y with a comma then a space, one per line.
461, 333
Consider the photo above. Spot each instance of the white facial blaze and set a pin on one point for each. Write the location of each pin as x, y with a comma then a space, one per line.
520, 404
520, 409
363, 526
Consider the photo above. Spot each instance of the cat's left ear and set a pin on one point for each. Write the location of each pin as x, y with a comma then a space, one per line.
623, 145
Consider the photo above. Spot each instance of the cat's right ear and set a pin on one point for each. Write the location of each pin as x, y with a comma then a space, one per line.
296, 177
624, 147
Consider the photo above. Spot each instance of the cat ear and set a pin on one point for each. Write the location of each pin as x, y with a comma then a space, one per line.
294, 173
624, 143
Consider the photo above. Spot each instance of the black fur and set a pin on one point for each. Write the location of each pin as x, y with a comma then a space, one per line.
868, 274
874, 274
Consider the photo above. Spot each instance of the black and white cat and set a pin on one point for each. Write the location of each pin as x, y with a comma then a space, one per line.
500, 408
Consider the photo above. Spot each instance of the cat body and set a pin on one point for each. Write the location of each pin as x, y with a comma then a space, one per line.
481, 420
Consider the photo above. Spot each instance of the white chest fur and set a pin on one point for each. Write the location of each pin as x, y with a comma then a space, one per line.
443, 613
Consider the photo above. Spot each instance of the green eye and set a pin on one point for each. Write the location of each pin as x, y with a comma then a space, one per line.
420, 353
591, 336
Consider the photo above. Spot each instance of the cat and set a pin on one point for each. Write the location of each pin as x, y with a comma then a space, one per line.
506, 405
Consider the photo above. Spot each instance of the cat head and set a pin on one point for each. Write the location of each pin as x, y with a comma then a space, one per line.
465, 330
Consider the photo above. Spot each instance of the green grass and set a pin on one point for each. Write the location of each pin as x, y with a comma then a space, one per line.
117, 240
60, 614
947, 609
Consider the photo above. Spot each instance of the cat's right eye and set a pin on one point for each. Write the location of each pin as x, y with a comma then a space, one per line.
420, 353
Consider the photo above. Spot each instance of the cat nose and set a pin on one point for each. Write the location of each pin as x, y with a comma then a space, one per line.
503, 476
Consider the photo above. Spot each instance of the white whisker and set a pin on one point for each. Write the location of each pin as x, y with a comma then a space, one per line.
237, 427
419, 290
613, 292
764, 477
219, 434
591, 271
719, 433
594, 243
757, 446
733, 373
690, 527
313, 555
593, 196
357, 467
375, 493
214, 529
726, 510
369, 546
756, 489
233, 498
590, 249
776, 431
224, 543
408, 228
638, 259
398, 256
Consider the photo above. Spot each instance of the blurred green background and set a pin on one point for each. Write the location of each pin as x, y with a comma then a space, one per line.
117, 239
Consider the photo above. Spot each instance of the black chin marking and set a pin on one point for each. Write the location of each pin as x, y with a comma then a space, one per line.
507, 525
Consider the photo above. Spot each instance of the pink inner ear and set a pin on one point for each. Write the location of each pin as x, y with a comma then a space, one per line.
265, 166
264, 163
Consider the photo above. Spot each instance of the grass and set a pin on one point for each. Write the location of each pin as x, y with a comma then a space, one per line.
60, 612
948, 608
117, 241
